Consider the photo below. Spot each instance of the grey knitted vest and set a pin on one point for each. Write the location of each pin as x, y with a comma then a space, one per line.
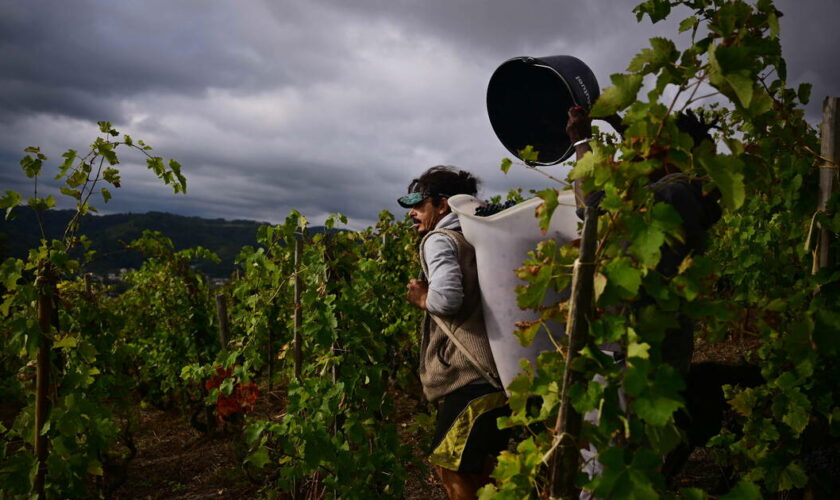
443, 368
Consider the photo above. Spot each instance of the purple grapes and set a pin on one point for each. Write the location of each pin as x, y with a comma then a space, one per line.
489, 209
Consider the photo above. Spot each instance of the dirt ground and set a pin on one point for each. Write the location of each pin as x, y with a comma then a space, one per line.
175, 461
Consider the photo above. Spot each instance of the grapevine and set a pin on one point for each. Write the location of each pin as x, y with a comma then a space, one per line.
327, 425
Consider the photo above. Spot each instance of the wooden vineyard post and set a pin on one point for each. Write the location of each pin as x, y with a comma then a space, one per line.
270, 360
46, 314
298, 353
830, 151
383, 244
221, 314
565, 460
329, 274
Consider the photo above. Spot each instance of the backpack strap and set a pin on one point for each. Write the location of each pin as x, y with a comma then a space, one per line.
488, 374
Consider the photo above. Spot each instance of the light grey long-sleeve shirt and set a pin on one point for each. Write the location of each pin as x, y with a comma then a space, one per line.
446, 292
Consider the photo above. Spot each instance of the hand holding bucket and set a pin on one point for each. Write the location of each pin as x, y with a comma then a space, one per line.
528, 100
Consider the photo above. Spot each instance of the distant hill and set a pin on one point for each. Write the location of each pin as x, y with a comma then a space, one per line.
110, 234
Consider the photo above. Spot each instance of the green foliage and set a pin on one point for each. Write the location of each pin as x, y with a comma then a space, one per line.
619, 96
90, 417
338, 425
335, 431
167, 319
755, 280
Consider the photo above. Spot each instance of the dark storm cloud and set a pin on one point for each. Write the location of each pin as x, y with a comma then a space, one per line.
809, 43
324, 105
61, 56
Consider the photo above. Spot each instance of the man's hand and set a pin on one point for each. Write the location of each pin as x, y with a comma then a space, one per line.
579, 125
417, 292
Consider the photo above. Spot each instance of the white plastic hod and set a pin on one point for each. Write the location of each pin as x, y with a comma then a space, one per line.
502, 242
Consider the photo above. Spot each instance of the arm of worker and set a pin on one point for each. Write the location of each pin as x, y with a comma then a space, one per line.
444, 292
578, 128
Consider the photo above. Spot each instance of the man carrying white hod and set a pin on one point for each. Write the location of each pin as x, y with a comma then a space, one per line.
456, 365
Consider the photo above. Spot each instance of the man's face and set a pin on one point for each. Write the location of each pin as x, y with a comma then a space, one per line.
425, 215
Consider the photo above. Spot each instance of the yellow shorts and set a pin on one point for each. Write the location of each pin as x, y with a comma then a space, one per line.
466, 432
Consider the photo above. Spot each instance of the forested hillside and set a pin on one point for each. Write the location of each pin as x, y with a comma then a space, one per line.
110, 235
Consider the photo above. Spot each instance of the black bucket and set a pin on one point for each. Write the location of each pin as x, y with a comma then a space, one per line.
528, 100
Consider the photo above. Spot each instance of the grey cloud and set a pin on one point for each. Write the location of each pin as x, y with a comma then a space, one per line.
809, 42
88, 51
323, 106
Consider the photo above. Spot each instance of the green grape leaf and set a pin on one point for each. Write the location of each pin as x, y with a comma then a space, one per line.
646, 241
506, 164
73, 193
69, 157
585, 167
693, 494
688, 23
532, 296
10, 273
744, 490
665, 438
623, 277
111, 176
661, 53
94, 467
638, 350
106, 149
528, 154
546, 209
41, 203
259, 458
68, 341
9, 201
726, 172
77, 178
155, 164
621, 481
599, 283
742, 85
792, 476
31, 166
655, 409
773, 22
619, 96
526, 333
797, 417
744, 401
657, 10
803, 92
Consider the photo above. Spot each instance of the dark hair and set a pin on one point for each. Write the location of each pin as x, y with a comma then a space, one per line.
696, 126
443, 181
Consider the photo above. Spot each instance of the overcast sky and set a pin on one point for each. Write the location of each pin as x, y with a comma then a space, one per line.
320, 105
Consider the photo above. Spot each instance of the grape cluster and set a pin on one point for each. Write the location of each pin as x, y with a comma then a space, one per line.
489, 209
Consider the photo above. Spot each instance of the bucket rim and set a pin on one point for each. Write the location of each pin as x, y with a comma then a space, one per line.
540, 63
458, 205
